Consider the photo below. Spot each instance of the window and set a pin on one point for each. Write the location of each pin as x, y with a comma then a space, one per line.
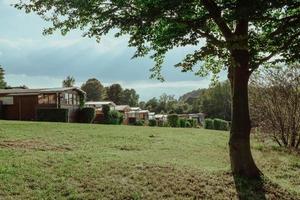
7, 100
47, 99
70, 101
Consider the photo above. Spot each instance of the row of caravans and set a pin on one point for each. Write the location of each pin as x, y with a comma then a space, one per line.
22, 103
133, 114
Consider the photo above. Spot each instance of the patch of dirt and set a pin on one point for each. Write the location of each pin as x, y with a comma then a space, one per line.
33, 145
128, 148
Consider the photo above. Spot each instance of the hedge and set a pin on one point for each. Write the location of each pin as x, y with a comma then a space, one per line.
220, 124
216, 124
208, 124
87, 115
106, 110
193, 123
139, 123
173, 120
152, 122
182, 123
115, 117
52, 114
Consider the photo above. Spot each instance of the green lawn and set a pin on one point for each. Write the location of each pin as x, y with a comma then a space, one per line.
78, 161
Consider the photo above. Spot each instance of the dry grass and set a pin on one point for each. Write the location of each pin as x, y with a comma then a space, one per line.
32, 145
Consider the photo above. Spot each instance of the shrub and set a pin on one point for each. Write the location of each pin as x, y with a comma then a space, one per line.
105, 110
139, 123
52, 114
193, 123
173, 120
115, 117
152, 122
208, 124
188, 124
87, 115
220, 124
182, 123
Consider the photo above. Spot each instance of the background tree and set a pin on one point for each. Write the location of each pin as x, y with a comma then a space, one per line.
114, 93
275, 104
3, 84
152, 105
142, 105
215, 102
68, 82
94, 90
129, 97
240, 36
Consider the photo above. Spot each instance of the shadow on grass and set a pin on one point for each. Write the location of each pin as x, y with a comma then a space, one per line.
250, 189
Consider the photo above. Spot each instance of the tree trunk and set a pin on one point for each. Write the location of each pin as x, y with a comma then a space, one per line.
242, 162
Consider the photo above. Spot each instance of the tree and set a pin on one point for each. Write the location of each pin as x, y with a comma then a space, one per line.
216, 101
68, 82
3, 84
275, 100
166, 103
142, 105
94, 90
239, 35
152, 105
114, 93
130, 97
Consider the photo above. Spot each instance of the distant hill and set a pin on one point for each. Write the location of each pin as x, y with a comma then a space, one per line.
190, 96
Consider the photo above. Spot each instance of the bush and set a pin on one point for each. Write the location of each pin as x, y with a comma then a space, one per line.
188, 124
52, 114
115, 117
152, 122
182, 123
220, 124
87, 115
193, 123
106, 110
173, 120
208, 124
139, 123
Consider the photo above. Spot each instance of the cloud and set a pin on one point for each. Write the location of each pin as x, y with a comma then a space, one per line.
9, 2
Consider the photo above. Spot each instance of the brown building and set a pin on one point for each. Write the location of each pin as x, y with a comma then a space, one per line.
22, 104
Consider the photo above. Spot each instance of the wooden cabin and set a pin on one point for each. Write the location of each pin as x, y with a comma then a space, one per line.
21, 104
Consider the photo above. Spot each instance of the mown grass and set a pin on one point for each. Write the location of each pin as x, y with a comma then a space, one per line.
81, 161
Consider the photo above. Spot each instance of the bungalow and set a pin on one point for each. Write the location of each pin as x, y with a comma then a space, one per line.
98, 104
136, 114
22, 104
99, 118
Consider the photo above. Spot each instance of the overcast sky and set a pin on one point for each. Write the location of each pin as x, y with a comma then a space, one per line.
38, 61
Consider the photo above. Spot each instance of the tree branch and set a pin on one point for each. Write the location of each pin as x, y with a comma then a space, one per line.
216, 15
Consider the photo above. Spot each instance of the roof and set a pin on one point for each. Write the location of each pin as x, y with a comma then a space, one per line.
138, 111
20, 91
122, 107
135, 108
100, 103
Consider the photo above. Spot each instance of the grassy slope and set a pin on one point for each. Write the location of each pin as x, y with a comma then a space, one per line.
75, 161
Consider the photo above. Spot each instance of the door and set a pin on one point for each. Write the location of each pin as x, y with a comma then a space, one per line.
27, 106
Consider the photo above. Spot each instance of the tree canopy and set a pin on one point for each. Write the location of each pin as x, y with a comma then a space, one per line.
3, 84
68, 82
94, 90
268, 29
114, 93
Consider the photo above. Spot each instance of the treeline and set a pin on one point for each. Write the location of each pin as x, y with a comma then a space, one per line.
214, 101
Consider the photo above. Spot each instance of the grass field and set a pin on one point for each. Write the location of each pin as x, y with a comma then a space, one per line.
77, 161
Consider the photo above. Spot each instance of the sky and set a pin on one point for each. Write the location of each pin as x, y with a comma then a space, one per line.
37, 61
